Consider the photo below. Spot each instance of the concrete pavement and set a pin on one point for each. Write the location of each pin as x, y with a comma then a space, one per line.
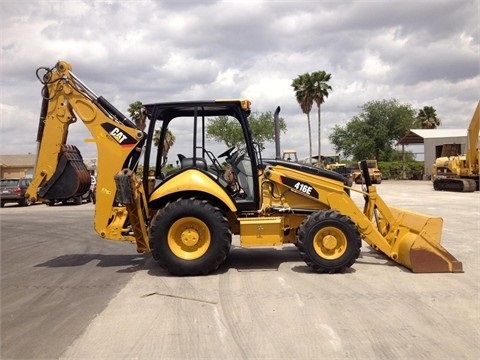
267, 304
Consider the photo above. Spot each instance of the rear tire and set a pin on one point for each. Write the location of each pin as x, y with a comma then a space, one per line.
190, 237
25, 202
329, 242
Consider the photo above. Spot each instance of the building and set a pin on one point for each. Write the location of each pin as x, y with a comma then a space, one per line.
434, 140
14, 166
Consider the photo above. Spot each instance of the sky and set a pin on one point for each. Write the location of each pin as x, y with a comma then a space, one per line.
420, 52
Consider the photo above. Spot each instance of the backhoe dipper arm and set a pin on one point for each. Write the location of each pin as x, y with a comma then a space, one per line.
473, 160
59, 169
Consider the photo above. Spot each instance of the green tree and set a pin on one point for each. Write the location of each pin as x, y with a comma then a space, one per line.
169, 138
427, 118
228, 130
137, 114
304, 91
320, 93
167, 144
373, 133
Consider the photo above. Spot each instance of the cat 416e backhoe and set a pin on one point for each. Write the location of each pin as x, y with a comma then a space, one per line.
186, 217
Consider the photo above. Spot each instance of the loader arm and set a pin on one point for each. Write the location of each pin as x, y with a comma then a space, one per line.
410, 239
59, 167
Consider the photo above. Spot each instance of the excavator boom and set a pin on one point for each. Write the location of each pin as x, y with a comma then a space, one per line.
472, 157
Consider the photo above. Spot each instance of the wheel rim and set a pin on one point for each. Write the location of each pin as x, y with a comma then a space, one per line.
330, 243
189, 238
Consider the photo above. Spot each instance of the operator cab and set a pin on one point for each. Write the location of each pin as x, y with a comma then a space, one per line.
180, 130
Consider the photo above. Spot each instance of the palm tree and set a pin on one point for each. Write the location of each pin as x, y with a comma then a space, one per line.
303, 87
138, 115
427, 118
167, 143
320, 81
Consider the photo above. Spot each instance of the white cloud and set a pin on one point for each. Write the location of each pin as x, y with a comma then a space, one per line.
373, 67
422, 53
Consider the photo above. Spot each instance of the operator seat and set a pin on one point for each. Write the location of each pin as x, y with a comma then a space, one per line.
199, 163
243, 170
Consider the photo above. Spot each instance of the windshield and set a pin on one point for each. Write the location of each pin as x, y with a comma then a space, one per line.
9, 182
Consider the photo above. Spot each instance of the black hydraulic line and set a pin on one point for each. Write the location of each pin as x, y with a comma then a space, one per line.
101, 101
368, 183
365, 173
133, 158
43, 116
273, 210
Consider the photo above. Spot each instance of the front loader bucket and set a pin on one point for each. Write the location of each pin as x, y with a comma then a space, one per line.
71, 177
416, 243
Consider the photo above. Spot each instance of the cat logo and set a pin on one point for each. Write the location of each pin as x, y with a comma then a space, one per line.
122, 138
118, 135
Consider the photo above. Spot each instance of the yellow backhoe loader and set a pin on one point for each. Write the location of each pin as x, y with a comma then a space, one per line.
290, 155
186, 219
332, 162
374, 173
460, 173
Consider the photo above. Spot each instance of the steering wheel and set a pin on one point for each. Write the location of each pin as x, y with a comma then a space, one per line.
227, 153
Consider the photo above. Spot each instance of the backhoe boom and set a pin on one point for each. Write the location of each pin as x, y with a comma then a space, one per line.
59, 168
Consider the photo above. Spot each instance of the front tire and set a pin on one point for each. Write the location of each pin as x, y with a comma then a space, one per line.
329, 242
190, 237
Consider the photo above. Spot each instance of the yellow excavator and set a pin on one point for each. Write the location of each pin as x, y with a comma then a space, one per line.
187, 217
460, 173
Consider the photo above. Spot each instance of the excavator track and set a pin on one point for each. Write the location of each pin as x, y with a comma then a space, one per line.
455, 185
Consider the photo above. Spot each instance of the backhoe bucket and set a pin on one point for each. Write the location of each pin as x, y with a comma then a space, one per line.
71, 177
416, 243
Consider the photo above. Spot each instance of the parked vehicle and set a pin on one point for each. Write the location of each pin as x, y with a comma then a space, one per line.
94, 194
332, 162
373, 171
460, 173
13, 191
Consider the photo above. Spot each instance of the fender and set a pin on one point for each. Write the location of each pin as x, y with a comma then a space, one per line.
193, 179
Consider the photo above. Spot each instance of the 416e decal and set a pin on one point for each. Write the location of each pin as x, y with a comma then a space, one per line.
300, 186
